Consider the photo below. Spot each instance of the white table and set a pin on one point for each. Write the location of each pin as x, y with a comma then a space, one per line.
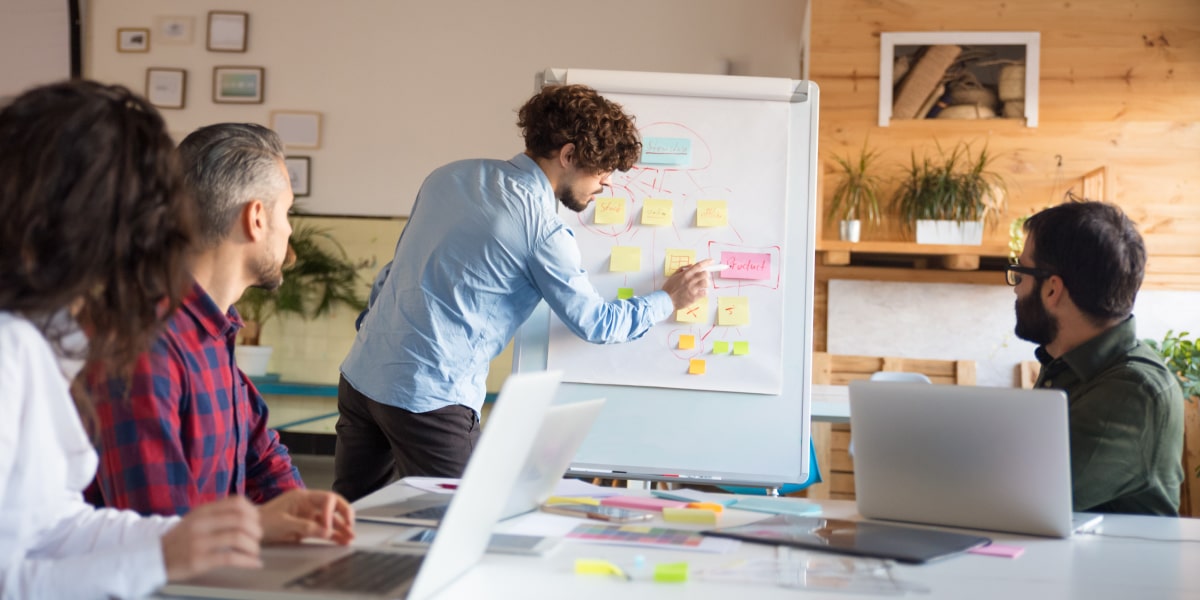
1092, 566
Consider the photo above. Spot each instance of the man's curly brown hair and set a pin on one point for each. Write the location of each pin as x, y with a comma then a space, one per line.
604, 135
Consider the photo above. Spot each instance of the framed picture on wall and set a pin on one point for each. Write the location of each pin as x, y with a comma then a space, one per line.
298, 172
173, 29
297, 128
133, 39
166, 88
227, 31
238, 85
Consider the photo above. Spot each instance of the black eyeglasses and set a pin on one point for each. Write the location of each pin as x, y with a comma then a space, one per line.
1013, 273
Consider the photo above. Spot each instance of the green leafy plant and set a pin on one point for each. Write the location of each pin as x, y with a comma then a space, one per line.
1183, 358
322, 277
957, 186
857, 195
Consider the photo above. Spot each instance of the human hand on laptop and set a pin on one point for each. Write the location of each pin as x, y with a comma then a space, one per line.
298, 514
224, 533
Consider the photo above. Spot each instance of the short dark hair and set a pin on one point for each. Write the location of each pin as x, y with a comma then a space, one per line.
1096, 250
226, 165
95, 217
605, 138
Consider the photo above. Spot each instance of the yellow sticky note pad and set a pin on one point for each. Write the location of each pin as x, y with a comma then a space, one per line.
696, 313
657, 212
687, 342
689, 515
677, 259
671, 572
696, 366
733, 310
711, 213
720, 347
741, 348
610, 211
625, 258
592, 566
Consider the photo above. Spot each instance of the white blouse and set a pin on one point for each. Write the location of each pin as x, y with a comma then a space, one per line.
52, 543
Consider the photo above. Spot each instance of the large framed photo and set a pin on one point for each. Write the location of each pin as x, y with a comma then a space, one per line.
173, 29
166, 88
227, 31
298, 172
297, 128
133, 39
238, 85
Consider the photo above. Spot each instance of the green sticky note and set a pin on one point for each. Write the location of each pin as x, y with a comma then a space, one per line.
671, 572
720, 347
741, 348
624, 293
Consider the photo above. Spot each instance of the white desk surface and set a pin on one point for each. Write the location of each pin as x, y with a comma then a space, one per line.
1092, 566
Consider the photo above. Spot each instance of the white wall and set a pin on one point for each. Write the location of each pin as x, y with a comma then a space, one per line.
35, 44
407, 86
959, 321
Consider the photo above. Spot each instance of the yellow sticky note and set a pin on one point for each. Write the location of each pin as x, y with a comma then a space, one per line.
696, 313
671, 572
657, 212
677, 258
593, 566
687, 342
711, 213
741, 348
689, 515
610, 211
625, 258
624, 293
696, 366
720, 347
573, 500
733, 310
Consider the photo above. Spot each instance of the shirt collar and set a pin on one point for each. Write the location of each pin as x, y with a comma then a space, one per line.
208, 316
525, 163
1092, 356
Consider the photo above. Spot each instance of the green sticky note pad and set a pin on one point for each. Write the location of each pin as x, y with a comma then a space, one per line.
720, 347
671, 572
741, 348
624, 293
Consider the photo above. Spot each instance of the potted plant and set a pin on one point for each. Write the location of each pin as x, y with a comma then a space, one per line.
856, 197
1182, 356
318, 277
949, 200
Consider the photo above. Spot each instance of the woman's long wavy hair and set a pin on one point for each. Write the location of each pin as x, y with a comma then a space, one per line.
94, 221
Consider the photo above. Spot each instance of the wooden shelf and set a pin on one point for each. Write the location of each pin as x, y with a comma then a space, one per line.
954, 258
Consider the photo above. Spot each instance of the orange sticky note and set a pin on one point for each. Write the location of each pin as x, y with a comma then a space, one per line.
733, 310
687, 342
610, 211
657, 212
696, 367
625, 258
676, 259
696, 313
711, 213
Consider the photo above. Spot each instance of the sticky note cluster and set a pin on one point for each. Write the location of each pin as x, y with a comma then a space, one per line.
739, 348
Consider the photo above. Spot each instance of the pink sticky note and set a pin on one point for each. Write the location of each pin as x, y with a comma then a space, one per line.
998, 550
639, 503
746, 265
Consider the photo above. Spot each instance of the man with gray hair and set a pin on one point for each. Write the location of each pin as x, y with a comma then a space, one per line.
188, 426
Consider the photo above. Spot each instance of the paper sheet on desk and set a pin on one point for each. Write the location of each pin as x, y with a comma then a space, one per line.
565, 487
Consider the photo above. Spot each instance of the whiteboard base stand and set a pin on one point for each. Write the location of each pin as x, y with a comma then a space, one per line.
773, 492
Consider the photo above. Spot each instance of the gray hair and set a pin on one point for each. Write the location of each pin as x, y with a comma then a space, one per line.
227, 165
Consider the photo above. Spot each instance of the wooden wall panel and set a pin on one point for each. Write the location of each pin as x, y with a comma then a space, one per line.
1120, 89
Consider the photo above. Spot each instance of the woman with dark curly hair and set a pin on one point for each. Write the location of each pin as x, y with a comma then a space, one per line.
94, 235
483, 246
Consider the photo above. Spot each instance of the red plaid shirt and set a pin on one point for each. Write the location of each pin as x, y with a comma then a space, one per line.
194, 428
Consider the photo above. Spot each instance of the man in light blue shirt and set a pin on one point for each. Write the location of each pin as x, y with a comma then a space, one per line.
483, 246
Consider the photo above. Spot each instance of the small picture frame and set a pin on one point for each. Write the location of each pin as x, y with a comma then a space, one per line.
133, 39
227, 31
297, 128
238, 85
298, 172
166, 88
173, 29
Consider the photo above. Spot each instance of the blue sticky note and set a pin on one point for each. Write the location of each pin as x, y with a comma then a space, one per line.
778, 506
666, 151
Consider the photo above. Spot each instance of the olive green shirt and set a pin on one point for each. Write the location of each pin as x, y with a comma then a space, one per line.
1126, 423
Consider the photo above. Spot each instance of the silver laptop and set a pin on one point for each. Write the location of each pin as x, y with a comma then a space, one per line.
964, 456
337, 572
556, 443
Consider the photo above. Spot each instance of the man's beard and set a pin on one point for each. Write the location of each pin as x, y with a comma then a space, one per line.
1034, 323
571, 201
268, 273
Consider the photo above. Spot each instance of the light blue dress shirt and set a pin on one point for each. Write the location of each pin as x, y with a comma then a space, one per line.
483, 246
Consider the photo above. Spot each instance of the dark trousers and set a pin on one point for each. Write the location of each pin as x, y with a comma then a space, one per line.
377, 443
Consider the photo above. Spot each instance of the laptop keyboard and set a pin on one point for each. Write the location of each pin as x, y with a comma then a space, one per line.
361, 571
434, 513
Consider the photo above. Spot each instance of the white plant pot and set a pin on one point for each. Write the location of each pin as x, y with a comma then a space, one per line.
849, 231
954, 233
252, 360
